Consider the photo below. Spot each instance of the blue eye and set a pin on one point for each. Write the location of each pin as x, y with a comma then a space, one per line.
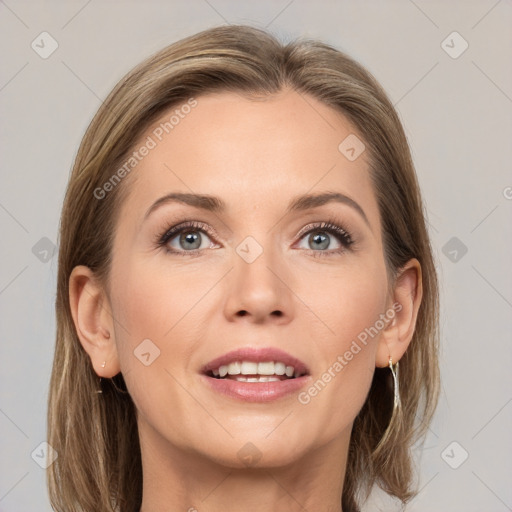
188, 240
321, 236
188, 237
319, 240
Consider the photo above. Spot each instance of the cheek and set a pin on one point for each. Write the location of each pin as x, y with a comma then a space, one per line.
150, 299
162, 302
345, 302
145, 307
153, 314
349, 306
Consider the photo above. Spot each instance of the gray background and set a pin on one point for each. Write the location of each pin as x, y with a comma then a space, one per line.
456, 108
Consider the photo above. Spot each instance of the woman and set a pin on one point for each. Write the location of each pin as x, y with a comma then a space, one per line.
256, 369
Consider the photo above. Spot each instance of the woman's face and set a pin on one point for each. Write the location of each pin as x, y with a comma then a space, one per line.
260, 273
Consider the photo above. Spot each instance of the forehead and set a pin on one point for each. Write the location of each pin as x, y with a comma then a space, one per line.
251, 152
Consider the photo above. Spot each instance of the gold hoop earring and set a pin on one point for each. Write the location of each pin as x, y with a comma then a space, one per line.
396, 405
394, 372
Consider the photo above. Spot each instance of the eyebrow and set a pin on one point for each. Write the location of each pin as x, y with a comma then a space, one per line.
217, 205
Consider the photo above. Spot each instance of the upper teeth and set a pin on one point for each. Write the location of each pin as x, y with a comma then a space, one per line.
251, 368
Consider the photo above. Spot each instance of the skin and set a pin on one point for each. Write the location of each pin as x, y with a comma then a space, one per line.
256, 156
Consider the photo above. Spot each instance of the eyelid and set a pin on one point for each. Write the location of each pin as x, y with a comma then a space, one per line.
330, 226
176, 229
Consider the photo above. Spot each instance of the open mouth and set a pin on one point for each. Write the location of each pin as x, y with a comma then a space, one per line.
249, 371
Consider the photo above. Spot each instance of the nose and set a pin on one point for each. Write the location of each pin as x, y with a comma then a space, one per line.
259, 291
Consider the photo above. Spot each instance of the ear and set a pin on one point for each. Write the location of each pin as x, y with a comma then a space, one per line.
94, 324
406, 299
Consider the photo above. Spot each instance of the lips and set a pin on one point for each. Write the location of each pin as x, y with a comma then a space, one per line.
250, 361
256, 375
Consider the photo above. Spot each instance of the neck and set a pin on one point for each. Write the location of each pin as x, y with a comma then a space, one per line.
175, 479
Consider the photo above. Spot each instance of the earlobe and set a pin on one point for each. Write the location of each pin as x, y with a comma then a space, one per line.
407, 296
92, 317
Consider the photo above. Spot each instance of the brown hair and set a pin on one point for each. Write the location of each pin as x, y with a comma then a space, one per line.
99, 463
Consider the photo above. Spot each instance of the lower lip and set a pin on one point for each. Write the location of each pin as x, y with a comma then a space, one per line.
256, 391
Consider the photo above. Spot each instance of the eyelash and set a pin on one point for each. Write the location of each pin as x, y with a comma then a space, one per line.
329, 226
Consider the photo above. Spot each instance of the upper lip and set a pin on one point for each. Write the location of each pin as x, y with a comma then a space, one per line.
257, 355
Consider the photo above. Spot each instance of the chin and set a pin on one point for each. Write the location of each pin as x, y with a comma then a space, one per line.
258, 453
